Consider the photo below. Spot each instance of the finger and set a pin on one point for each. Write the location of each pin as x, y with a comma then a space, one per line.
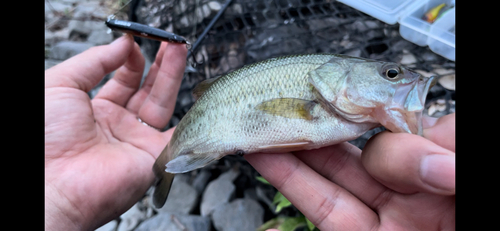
409, 163
85, 70
325, 204
126, 79
341, 164
160, 103
442, 132
140, 96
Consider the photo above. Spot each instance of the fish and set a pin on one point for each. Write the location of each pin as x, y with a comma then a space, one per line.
291, 103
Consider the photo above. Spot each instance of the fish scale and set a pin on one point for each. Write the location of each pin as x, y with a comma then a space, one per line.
290, 103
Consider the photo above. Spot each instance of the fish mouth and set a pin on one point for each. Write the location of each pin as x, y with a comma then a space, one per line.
409, 102
429, 82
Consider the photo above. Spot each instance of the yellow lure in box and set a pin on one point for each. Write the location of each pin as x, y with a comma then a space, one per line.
433, 13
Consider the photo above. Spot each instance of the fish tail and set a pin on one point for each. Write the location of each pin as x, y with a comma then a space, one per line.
162, 188
164, 179
189, 162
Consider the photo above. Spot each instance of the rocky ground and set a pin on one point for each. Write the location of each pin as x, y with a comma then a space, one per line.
221, 196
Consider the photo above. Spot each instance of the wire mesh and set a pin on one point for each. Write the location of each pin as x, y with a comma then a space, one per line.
254, 30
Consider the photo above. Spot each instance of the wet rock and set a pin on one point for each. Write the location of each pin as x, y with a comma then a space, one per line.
175, 222
66, 49
241, 214
181, 199
218, 192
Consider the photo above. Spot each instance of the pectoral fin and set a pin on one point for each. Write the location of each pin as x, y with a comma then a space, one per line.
288, 107
286, 147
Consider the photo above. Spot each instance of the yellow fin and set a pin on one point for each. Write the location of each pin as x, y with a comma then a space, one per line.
288, 107
288, 147
202, 87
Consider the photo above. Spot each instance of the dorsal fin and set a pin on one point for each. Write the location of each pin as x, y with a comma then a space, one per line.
202, 87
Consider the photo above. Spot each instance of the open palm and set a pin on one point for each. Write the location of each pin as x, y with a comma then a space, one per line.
98, 156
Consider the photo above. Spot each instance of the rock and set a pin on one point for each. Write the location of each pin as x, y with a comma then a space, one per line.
66, 49
84, 11
234, 9
448, 82
85, 27
53, 37
241, 214
429, 56
100, 37
181, 199
355, 53
201, 180
185, 98
52, 8
50, 63
402, 44
131, 218
110, 226
218, 192
408, 58
175, 222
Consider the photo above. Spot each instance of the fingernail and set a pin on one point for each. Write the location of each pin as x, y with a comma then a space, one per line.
438, 171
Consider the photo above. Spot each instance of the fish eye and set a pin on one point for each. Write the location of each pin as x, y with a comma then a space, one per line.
392, 73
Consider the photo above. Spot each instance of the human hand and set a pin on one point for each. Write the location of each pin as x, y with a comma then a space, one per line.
98, 156
398, 182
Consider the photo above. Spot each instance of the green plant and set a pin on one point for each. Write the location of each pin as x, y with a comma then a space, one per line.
284, 223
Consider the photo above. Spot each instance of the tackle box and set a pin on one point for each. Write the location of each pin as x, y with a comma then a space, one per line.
439, 36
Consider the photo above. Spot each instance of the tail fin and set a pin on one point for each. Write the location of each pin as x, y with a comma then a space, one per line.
162, 188
189, 162
163, 179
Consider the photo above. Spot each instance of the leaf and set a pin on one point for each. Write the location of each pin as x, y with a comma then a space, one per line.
261, 179
278, 197
310, 225
292, 223
271, 224
281, 201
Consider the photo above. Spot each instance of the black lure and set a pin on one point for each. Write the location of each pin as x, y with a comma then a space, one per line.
148, 32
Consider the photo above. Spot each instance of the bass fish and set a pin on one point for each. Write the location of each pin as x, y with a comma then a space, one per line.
291, 103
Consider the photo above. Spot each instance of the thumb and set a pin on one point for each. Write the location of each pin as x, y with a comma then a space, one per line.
85, 70
409, 163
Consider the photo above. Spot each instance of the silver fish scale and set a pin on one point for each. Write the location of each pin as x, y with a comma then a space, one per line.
226, 111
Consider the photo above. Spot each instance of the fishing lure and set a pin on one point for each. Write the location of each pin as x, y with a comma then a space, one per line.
148, 32
433, 13
144, 31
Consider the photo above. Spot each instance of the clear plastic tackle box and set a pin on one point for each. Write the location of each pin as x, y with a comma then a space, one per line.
439, 35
